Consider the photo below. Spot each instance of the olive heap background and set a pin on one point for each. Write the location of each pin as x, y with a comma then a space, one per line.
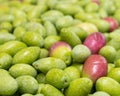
59, 48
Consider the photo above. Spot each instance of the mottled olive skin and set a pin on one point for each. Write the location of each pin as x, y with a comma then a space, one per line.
58, 75
46, 64
78, 87
12, 47
49, 90
106, 84
22, 69
8, 85
27, 84
5, 37
5, 60
27, 55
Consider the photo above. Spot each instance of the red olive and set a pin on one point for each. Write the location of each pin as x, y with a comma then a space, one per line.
113, 23
95, 67
95, 42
